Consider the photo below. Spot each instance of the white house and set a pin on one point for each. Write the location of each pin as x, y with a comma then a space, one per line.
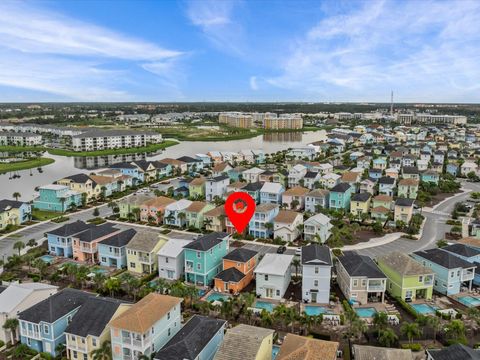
303, 152
251, 175
271, 193
316, 273
171, 259
330, 180
296, 174
317, 226
273, 275
285, 225
311, 178
317, 197
172, 211
467, 167
19, 297
216, 186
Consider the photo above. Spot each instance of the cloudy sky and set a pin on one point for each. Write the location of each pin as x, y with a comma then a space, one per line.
425, 51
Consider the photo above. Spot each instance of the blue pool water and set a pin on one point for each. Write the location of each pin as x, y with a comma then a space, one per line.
100, 271
312, 310
202, 292
217, 297
263, 305
469, 301
366, 312
275, 351
424, 309
47, 258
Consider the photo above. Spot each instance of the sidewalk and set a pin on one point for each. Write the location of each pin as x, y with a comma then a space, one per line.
386, 239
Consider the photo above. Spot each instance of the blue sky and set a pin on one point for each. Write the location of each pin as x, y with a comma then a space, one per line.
425, 51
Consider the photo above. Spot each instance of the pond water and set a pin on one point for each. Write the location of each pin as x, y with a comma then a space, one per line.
65, 166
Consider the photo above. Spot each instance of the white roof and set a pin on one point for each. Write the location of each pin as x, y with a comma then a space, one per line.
179, 205
173, 248
254, 170
325, 166
15, 294
331, 176
274, 264
54, 187
299, 167
271, 187
319, 219
391, 170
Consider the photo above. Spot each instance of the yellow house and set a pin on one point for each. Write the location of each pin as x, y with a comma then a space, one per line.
360, 204
81, 183
214, 220
142, 252
256, 344
403, 210
89, 328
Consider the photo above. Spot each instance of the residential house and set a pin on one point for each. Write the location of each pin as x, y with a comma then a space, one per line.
253, 189
375, 173
451, 272
430, 176
352, 178
467, 253
316, 273
42, 326
286, 224
16, 298
275, 177
406, 278
214, 220
14, 213
142, 252
438, 157
340, 197
316, 199
216, 187
171, 257
403, 210
368, 186
203, 257
360, 204
85, 244
364, 162
175, 213
364, 352
386, 185
468, 167
294, 198
57, 198
264, 214
145, 327
235, 174
252, 175
81, 183
380, 163
112, 251
152, 210
392, 172
330, 180
311, 179
410, 172
408, 188
193, 165
273, 275
256, 343
89, 329
296, 174
271, 193
130, 207
237, 273
196, 188
199, 339
195, 213
422, 165
221, 168
131, 170
302, 152
60, 240
317, 228
453, 352
177, 165
452, 168
360, 279
300, 347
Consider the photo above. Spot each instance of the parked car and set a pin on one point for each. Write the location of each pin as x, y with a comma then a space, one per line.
281, 249
298, 251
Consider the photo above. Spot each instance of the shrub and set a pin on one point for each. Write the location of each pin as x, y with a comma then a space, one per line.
60, 219
413, 347
97, 221
407, 307
2, 343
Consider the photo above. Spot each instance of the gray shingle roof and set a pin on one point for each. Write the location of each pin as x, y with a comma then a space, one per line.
206, 242
455, 352
121, 239
462, 249
230, 275
240, 255
71, 229
316, 254
444, 259
360, 265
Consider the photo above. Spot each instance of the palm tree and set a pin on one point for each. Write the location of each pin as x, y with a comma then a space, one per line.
21, 351
60, 349
387, 337
104, 352
434, 323
32, 243
136, 212
112, 285
19, 245
380, 321
11, 325
41, 266
16, 195
170, 218
207, 222
181, 217
296, 263
455, 330
410, 330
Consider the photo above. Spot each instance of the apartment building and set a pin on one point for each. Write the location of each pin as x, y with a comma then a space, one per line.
236, 119
113, 139
20, 139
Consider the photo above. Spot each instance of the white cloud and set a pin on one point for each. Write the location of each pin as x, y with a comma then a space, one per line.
427, 50
49, 52
253, 83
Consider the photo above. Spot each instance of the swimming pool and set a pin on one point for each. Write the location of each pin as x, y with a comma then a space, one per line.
100, 271
202, 292
469, 301
47, 258
263, 305
424, 309
275, 351
367, 312
217, 297
313, 310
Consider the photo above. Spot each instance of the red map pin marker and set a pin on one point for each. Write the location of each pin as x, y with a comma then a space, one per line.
239, 207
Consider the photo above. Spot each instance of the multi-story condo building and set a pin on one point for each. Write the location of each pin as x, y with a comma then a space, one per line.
423, 118
284, 121
20, 139
113, 139
145, 327
236, 119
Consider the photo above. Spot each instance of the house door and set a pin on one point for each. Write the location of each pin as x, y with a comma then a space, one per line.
269, 293
225, 286
314, 297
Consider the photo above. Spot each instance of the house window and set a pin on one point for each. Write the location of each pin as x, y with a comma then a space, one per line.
355, 282
132, 265
166, 260
420, 279
266, 277
316, 269
364, 283
452, 274
278, 292
168, 331
458, 273
199, 266
168, 316
94, 342
198, 254
315, 283
46, 329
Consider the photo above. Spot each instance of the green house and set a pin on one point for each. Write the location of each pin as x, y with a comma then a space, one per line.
128, 205
204, 256
196, 188
194, 213
406, 278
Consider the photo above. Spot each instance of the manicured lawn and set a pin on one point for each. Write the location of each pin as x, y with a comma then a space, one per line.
43, 215
27, 164
149, 148
10, 148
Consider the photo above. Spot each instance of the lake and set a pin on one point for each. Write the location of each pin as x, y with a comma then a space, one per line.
65, 166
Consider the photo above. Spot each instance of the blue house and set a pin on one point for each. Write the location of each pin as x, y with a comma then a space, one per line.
207, 161
199, 338
451, 272
340, 197
42, 326
375, 173
271, 193
467, 253
132, 170
60, 240
452, 169
430, 176
112, 250
193, 164
386, 185
253, 189
264, 213
57, 198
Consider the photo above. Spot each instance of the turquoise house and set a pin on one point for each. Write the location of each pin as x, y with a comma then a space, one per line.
57, 198
112, 250
340, 197
253, 189
203, 258
42, 326
430, 176
451, 272
467, 253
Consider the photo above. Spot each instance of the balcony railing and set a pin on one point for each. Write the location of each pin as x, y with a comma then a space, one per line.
144, 259
467, 275
31, 334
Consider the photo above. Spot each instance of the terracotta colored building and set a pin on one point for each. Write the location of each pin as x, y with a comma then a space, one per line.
237, 271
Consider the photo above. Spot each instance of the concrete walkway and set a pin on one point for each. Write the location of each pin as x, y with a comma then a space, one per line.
386, 239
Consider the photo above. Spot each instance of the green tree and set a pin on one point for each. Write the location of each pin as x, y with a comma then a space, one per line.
455, 331
16, 195
32, 243
96, 212
380, 321
11, 326
387, 337
104, 352
296, 263
41, 266
410, 330
19, 246
112, 285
